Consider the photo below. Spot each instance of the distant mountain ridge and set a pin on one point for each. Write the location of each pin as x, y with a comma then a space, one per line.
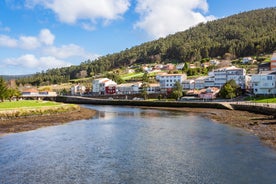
10, 77
245, 34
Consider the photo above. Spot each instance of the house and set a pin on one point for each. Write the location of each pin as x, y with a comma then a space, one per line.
247, 60
264, 67
214, 62
29, 91
273, 62
128, 88
264, 83
77, 89
169, 66
103, 86
153, 88
209, 93
167, 81
179, 66
188, 84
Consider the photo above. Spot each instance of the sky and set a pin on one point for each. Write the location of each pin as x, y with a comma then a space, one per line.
36, 35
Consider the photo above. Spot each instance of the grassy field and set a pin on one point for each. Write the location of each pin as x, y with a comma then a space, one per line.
33, 107
262, 99
27, 104
266, 100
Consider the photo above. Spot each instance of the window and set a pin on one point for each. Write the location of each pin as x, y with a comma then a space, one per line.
269, 77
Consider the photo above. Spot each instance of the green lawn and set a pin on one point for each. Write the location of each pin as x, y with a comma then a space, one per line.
27, 104
131, 75
262, 99
267, 100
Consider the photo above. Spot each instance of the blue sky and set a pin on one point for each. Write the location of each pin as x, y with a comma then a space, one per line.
36, 35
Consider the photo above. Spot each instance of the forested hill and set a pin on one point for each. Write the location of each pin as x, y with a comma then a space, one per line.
244, 34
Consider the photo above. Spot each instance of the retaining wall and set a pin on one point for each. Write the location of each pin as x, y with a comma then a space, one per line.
255, 109
82, 100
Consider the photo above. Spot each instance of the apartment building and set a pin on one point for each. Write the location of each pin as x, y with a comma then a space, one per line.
221, 76
264, 83
167, 81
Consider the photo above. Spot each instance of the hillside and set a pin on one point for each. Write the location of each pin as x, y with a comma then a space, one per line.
246, 34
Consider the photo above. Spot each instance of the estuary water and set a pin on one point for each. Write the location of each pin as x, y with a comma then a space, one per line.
133, 145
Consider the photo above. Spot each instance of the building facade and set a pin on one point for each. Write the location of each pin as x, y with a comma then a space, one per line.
167, 81
103, 86
273, 62
263, 84
221, 76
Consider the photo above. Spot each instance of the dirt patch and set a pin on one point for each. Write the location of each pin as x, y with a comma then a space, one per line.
26, 123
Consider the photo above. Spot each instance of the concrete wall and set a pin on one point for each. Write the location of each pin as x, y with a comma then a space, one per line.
255, 109
83, 100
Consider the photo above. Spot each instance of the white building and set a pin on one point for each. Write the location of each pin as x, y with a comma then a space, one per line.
200, 82
209, 81
179, 66
221, 76
263, 84
153, 88
128, 88
167, 81
77, 89
188, 84
100, 85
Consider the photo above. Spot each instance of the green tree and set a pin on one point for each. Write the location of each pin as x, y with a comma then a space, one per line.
3, 89
145, 78
12, 92
144, 90
177, 90
229, 90
185, 68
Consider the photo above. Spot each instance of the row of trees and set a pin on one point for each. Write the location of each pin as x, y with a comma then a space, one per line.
7, 92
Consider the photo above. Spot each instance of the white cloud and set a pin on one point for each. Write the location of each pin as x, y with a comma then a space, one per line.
30, 61
29, 42
69, 11
6, 41
66, 51
162, 17
46, 37
88, 27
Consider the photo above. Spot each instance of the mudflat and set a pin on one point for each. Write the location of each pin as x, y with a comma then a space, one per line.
26, 123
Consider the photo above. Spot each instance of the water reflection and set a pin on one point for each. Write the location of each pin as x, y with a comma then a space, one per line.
132, 145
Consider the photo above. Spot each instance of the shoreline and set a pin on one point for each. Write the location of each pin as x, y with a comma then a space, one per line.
26, 123
263, 126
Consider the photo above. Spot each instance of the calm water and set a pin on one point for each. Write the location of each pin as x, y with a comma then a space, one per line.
132, 145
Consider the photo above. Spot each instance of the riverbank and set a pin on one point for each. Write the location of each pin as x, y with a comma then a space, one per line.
25, 123
263, 126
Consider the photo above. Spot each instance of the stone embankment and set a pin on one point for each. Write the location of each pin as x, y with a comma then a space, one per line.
95, 101
266, 109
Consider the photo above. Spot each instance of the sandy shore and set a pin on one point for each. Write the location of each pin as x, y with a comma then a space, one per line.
262, 126
21, 124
